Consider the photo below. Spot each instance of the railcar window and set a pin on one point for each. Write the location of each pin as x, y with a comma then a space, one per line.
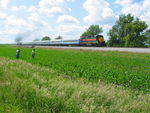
90, 37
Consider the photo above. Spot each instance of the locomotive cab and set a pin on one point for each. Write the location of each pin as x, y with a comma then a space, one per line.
101, 41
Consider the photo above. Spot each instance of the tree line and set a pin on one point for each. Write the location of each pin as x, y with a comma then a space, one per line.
128, 31
19, 39
49, 38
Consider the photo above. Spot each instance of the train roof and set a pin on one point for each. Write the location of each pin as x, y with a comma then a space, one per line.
52, 41
92, 36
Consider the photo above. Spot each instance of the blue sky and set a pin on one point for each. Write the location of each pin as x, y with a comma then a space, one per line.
33, 19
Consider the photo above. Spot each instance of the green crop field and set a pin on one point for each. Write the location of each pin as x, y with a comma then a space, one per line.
127, 69
73, 81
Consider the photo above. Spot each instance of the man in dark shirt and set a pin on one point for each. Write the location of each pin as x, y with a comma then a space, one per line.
18, 53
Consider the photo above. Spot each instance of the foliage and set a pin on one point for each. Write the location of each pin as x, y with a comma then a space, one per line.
127, 32
147, 35
133, 71
46, 38
92, 30
59, 37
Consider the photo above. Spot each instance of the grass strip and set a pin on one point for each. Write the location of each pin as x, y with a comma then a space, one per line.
28, 88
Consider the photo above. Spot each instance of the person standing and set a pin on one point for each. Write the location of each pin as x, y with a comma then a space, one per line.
33, 53
18, 53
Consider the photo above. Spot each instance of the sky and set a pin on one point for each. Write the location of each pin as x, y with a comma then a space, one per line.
34, 19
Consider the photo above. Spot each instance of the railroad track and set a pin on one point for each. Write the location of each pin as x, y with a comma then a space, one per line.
135, 50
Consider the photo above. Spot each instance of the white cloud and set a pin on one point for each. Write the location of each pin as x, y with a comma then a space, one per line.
55, 10
9, 31
18, 8
32, 9
131, 9
98, 11
146, 17
34, 17
4, 3
106, 27
138, 9
52, 11
48, 3
3, 15
146, 5
72, 31
34, 20
12, 20
107, 13
67, 19
5, 40
7, 34
53, 7
123, 2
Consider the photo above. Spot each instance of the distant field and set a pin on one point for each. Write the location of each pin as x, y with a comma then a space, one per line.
121, 68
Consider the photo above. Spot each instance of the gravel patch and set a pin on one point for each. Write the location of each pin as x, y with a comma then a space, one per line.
135, 50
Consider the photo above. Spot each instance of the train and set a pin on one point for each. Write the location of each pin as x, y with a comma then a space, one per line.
93, 40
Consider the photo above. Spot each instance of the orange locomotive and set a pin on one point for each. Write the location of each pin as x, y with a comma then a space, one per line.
97, 40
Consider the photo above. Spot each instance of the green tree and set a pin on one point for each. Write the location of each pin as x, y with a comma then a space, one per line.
147, 35
59, 37
135, 37
127, 32
46, 38
93, 30
114, 40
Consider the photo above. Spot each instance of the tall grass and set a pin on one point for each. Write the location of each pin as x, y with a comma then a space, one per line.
121, 68
28, 88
